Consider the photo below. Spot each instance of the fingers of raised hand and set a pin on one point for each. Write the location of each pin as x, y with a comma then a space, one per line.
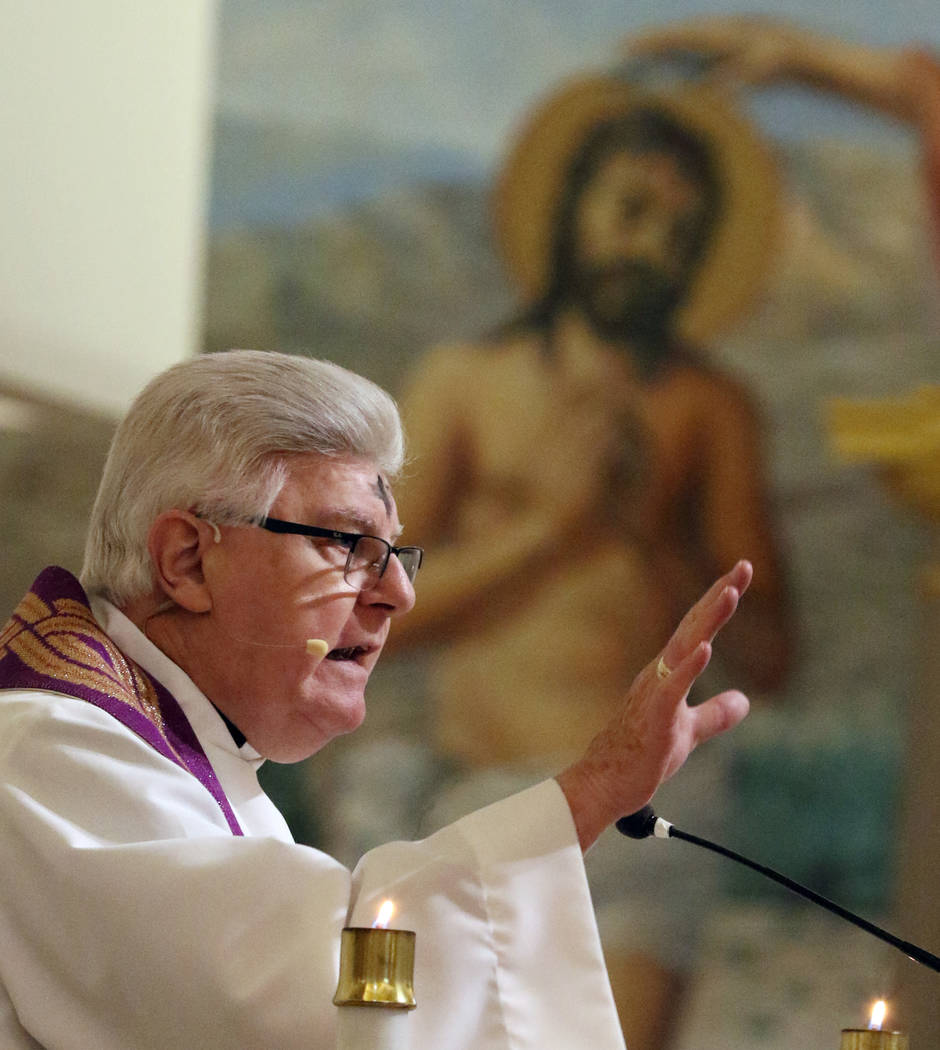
720, 36
739, 577
659, 720
717, 36
709, 614
677, 679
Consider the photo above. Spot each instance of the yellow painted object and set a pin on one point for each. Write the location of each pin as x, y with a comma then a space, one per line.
899, 437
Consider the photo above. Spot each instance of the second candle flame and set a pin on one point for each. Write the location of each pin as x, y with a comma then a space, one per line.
386, 911
878, 1012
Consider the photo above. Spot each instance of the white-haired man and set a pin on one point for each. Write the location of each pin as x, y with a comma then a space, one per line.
240, 579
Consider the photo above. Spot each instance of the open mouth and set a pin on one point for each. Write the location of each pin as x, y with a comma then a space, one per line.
352, 653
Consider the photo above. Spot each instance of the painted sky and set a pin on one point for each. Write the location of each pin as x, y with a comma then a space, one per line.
459, 73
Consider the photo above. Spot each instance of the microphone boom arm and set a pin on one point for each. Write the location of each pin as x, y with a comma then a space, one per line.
645, 823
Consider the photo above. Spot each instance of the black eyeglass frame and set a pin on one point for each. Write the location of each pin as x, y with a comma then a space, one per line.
352, 538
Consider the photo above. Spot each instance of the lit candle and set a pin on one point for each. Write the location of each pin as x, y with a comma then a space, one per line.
872, 1037
375, 991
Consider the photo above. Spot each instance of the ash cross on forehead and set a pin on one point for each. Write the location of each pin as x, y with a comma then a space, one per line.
381, 490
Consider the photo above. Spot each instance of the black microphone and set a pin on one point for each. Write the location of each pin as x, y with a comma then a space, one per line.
644, 822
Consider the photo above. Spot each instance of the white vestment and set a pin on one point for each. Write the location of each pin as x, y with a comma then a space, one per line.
131, 918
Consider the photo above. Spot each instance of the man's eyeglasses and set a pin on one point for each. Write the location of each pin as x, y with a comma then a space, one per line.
366, 556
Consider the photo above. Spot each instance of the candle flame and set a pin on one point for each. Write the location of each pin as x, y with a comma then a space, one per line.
386, 911
878, 1012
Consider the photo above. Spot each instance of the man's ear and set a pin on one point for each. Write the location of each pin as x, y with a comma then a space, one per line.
178, 541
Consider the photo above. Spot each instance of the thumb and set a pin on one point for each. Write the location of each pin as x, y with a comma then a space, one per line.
718, 714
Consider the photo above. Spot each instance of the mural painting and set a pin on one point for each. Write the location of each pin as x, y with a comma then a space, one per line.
565, 503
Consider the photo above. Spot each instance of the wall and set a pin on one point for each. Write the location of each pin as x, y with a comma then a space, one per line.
101, 193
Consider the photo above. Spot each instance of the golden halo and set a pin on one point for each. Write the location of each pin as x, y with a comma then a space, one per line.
736, 263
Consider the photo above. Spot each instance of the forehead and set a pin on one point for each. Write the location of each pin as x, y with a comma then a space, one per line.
338, 492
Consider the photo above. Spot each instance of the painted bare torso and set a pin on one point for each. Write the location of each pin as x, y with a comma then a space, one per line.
533, 655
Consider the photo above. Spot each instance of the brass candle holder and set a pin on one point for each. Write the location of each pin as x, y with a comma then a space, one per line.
376, 968
872, 1039
375, 989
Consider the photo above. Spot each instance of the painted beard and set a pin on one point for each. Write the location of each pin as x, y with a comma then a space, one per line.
630, 301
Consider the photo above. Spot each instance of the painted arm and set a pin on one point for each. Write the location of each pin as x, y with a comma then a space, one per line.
736, 520
761, 50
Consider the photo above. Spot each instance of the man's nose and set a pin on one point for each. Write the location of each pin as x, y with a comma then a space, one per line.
393, 589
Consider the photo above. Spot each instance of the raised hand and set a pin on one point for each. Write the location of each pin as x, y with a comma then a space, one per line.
758, 49
655, 729
751, 49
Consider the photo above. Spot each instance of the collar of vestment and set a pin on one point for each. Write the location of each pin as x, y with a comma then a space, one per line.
53, 642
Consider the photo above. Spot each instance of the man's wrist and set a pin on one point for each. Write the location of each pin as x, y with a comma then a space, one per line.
590, 815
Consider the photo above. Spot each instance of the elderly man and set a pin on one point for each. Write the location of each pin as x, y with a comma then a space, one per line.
241, 575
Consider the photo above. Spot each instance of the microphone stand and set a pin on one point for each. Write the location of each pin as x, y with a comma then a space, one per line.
644, 823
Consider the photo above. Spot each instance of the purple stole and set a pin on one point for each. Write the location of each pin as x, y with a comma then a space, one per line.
52, 642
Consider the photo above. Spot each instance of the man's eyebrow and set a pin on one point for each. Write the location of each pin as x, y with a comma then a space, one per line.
350, 520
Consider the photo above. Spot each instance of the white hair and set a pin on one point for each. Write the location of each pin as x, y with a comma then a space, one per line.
213, 435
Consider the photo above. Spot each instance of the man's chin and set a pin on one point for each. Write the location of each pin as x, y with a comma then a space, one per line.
311, 734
